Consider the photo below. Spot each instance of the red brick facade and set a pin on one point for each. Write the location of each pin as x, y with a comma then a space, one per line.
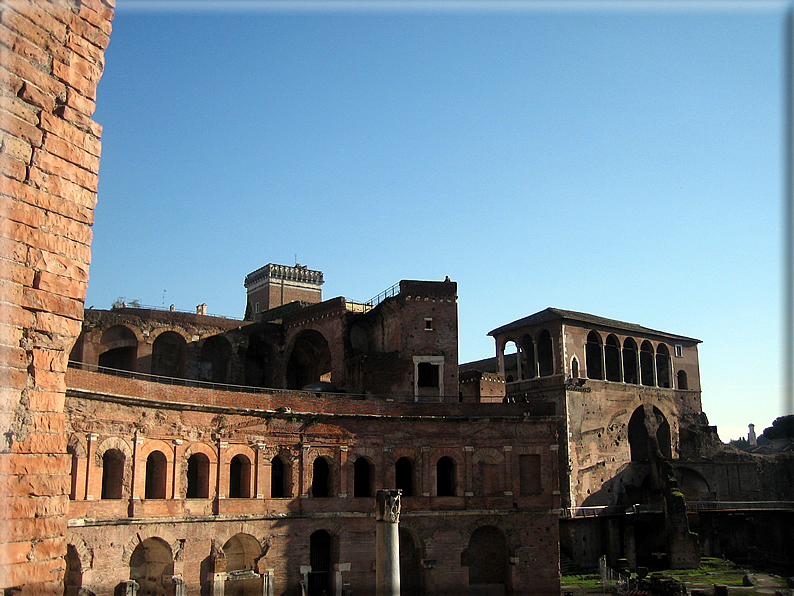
50, 62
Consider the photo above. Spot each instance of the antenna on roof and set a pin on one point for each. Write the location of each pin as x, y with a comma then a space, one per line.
296, 259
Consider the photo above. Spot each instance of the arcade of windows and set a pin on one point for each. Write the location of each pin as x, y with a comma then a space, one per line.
239, 483
605, 360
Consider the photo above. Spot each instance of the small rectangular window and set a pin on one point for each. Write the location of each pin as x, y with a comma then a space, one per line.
679, 350
256, 307
428, 324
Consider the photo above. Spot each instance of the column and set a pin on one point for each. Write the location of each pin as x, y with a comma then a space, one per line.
343, 472
508, 470
258, 475
387, 543
269, 582
304, 472
427, 476
175, 493
468, 450
91, 439
338, 584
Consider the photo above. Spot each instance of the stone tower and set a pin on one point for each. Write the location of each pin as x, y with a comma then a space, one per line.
273, 285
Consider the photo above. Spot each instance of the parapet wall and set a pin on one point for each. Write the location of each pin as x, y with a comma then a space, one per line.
51, 61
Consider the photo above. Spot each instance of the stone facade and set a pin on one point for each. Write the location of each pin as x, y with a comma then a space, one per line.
207, 484
51, 58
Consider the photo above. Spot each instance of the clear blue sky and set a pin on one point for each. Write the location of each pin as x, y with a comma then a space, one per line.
620, 159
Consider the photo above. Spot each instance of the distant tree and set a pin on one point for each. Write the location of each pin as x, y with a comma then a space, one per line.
122, 302
782, 428
740, 443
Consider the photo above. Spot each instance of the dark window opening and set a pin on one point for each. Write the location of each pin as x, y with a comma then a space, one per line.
682, 380
72, 472
240, 477
404, 476
198, 477
612, 359
320, 561
662, 366
112, 474
362, 478
321, 478
445, 477
646, 364
278, 478
545, 354
593, 356
156, 475
630, 362
427, 374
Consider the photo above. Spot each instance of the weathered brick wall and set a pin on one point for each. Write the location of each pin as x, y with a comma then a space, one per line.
51, 59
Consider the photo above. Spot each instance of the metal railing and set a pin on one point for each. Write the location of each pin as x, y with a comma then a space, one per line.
387, 293
738, 505
130, 306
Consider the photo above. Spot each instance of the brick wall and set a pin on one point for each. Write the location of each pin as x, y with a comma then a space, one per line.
51, 59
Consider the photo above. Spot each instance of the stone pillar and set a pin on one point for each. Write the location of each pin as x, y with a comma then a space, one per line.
268, 582
387, 543
468, 450
129, 588
176, 492
305, 571
338, 583
91, 440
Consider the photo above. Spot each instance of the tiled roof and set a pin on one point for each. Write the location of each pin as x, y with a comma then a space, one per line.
554, 314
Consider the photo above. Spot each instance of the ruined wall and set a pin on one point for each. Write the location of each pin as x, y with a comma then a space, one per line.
493, 491
51, 58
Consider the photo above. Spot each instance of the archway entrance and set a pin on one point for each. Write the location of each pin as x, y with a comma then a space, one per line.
309, 361
152, 566
242, 552
488, 561
320, 559
411, 571
649, 430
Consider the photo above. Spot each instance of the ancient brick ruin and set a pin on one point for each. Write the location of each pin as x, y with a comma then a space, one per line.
51, 61
179, 454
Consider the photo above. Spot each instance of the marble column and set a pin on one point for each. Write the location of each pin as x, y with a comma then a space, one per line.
387, 543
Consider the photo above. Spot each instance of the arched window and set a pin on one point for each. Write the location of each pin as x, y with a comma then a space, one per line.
643, 443
242, 552
445, 477
646, 364
612, 358
121, 351
512, 356
662, 366
682, 380
404, 476
169, 353
198, 477
279, 478
593, 354
240, 477
156, 475
575, 367
321, 478
309, 360
630, 361
545, 354
112, 474
214, 359
362, 478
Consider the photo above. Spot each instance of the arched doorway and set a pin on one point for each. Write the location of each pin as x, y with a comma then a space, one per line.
198, 477
242, 552
309, 360
121, 349
488, 562
649, 430
214, 360
412, 573
152, 566
321, 478
169, 352
321, 561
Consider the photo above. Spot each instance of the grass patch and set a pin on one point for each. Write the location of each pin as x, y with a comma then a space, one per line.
711, 571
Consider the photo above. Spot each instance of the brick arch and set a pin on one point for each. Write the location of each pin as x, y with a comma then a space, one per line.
512, 536
335, 528
113, 443
409, 452
161, 533
488, 453
155, 333
200, 447
233, 449
85, 553
288, 454
150, 445
242, 528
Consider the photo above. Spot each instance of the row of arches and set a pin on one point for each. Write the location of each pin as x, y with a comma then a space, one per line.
119, 347
245, 473
608, 360
246, 562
